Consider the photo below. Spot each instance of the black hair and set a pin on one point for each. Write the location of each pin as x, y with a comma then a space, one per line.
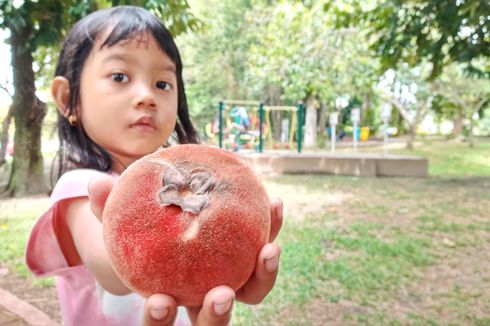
77, 150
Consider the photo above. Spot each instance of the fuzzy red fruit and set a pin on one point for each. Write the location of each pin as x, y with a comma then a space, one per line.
186, 219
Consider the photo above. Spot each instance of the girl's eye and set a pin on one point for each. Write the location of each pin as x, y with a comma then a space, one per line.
120, 77
164, 85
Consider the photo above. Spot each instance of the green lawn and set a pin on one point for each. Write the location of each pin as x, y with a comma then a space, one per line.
369, 251
452, 159
385, 251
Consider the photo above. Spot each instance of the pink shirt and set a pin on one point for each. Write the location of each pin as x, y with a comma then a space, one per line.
82, 300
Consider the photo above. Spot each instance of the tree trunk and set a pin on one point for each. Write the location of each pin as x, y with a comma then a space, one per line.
411, 136
310, 123
400, 123
458, 124
4, 140
274, 99
366, 104
477, 107
471, 138
232, 84
322, 125
27, 175
276, 125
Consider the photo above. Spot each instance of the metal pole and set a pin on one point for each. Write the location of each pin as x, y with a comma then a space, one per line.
300, 126
220, 117
385, 140
261, 121
355, 136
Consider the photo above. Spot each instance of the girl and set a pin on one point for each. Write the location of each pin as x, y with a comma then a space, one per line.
120, 95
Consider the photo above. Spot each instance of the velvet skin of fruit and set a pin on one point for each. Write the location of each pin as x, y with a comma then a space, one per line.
185, 219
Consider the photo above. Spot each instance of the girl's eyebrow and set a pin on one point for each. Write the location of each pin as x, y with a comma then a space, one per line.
129, 58
117, 57
167, 67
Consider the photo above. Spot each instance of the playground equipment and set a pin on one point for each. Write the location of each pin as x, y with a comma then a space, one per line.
253, 128
287, 128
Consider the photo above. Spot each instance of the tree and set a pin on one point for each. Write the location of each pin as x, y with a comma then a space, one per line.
467, 94
215, 56
31, 25
303, 54
411, 96
414, 31
36, 24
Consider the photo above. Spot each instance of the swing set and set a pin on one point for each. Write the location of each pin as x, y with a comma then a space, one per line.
249, 128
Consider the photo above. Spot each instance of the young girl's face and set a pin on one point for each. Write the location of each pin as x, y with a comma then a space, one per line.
128, 98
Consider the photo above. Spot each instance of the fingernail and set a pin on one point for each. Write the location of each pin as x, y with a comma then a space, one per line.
271, 264
158, 313
221, 308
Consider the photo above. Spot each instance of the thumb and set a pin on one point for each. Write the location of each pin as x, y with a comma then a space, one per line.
159, 310
216, 308
99, 188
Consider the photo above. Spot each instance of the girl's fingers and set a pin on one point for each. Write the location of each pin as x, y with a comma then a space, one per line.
276, 217
264, 276
216, 308
159, 310
99, 188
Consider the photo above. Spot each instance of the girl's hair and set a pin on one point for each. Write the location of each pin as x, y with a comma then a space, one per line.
77, 150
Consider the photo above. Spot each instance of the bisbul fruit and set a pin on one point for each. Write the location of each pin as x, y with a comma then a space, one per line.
184, 220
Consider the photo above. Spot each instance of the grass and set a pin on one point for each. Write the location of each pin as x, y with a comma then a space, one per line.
374, 248
17, 216
364, 258
364, 251
452, 158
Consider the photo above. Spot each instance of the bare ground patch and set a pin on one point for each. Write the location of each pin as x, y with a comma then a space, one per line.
42, 297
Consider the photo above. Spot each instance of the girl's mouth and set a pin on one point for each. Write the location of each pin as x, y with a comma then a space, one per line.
144, 124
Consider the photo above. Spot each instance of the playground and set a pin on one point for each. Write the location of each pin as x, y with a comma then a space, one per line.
246, 127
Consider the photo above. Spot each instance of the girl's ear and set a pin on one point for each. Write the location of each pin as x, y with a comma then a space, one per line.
60, 91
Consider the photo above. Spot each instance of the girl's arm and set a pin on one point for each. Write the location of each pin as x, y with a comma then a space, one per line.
88, 245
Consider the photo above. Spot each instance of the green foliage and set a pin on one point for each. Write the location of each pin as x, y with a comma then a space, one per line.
44, 20
461, 93
303, 53
412, 31
215, 57
175, 14
275, 51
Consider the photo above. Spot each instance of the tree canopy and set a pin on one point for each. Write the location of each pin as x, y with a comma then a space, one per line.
414, 31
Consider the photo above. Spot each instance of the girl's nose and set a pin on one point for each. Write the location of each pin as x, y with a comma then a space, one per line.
144, 98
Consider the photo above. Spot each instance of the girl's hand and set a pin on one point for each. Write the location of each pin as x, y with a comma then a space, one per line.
216, 310
264, 277
257, 287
